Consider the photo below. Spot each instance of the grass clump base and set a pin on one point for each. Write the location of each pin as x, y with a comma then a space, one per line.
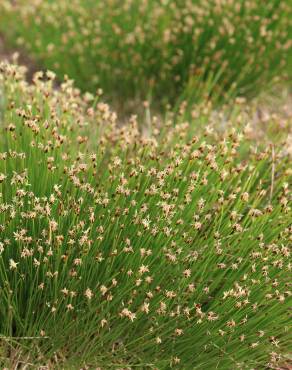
124, 251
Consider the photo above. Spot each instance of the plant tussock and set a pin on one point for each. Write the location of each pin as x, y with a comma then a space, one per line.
169, 250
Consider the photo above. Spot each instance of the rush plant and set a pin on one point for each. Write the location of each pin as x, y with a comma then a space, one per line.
156, 49
120, 250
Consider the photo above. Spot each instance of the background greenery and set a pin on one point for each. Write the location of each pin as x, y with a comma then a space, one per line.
157, 49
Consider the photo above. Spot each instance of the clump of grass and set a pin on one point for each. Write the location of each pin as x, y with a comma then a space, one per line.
118, 250
147, 48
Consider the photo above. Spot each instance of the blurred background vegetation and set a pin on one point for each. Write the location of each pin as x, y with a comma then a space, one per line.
160, 50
